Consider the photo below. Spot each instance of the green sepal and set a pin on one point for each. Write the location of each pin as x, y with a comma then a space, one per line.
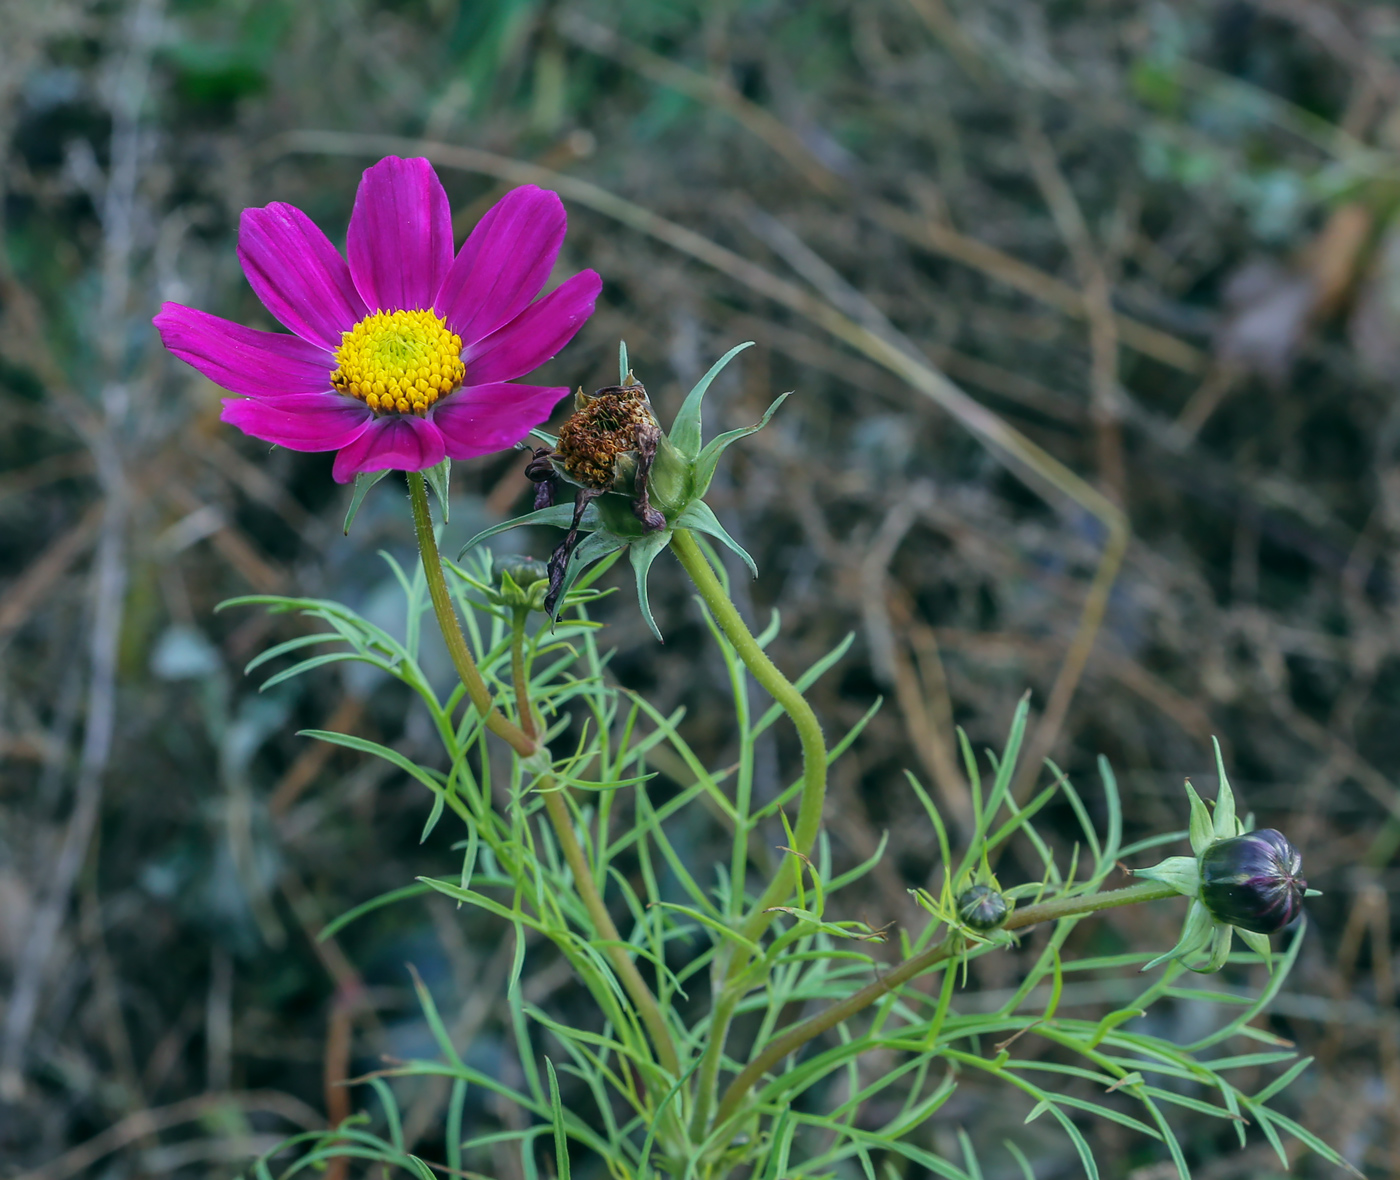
592, 548
708, 459
700, 516
558, 515
1202, 827
1193, 936
439, 476
1182, 873
364, 480
643, 553
1259, 944
623, 368
1219, 951
615, 515
1226, 823
549, 440
685, 430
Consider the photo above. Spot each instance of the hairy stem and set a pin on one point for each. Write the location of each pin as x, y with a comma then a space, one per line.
809, 810
519, 676
795, 1038
525, 745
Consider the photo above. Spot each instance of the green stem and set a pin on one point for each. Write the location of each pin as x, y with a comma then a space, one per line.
809, 810
519, 675
795, 1038
782, 690
525, 746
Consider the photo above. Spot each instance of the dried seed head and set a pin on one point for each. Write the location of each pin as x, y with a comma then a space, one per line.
599, 445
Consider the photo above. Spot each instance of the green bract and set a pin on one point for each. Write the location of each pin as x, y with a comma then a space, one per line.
673, 484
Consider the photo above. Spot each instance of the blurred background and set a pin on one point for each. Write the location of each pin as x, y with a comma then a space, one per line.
1152, 242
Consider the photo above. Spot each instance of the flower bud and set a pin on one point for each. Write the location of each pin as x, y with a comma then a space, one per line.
981, 908
522, 582
1254, 881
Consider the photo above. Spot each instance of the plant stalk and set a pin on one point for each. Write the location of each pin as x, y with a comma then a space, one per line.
526, 746
518, 674
809, 810
915, 965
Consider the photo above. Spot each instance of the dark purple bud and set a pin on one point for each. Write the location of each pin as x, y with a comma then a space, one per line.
1254, 881
982, 908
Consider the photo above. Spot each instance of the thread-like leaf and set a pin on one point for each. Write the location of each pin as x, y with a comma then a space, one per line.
557, 515
556, 1112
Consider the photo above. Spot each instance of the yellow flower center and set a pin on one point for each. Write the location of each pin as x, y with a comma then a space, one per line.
399, 362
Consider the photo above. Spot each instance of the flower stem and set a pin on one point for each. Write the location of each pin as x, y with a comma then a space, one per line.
525, 745
461, 655
793, 1039
518, 674
730, 990
782, 690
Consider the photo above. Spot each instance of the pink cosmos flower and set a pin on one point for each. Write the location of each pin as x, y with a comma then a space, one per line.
404, 355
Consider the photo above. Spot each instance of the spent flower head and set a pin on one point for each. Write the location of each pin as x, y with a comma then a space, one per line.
636, 484
1250, 882
402, 356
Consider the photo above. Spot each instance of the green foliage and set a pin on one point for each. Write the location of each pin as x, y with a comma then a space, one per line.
599, 1090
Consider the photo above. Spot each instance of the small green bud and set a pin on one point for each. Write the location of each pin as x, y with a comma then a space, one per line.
522, 582
981, 908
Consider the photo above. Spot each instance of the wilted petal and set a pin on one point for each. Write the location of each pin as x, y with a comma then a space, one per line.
244, 360
400, 237
536, 334
404, 443
300, 421
300, 277
484, 418
503, 263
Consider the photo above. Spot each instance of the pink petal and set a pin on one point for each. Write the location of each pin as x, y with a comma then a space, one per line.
402, 443
400, 237
480, 419
258, 364
300, 421
536, 334
504, 263
300, 277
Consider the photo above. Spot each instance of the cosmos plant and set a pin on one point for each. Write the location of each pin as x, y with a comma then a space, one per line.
722, 1011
